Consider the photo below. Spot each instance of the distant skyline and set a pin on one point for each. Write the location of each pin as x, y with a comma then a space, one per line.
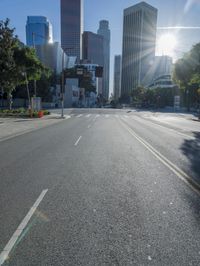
180, 17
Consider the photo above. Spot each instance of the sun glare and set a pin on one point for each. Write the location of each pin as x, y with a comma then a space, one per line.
167, 44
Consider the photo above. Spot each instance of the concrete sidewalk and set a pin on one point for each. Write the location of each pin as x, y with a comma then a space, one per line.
11, 127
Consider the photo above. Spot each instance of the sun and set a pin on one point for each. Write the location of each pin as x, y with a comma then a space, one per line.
166, 45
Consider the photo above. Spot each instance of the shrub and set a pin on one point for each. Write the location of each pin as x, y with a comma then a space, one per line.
46, 112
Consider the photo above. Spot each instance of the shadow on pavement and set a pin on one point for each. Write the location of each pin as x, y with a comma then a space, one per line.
191, 149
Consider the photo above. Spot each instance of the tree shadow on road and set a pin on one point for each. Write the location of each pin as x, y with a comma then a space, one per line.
191, 149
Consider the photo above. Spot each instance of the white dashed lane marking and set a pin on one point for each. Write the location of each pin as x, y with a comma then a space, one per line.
77, 142
11, 243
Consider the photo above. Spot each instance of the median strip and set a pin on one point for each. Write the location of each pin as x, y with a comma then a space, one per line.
174, 168
11, 243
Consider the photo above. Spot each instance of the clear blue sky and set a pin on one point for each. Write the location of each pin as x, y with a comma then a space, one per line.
170, 13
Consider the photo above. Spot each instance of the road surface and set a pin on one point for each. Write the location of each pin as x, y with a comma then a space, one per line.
105, 187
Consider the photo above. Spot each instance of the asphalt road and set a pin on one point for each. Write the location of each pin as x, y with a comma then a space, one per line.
105, 187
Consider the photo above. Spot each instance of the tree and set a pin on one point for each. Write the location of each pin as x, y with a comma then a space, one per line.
138, 95
27, 61
84, 76
187, 74
29, 68
8, 42
18, 64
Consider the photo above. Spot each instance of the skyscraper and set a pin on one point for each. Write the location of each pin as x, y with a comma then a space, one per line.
105, 32
72, 27
117, 77
38, 31
93, 47
139, 41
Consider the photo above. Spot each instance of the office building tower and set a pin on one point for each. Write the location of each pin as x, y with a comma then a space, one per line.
105, 32
72, 27
163, 65
139, 41
117, 77
38, 31
52, 56
93, 48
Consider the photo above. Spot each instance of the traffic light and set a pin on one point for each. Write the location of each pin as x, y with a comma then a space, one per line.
99, 71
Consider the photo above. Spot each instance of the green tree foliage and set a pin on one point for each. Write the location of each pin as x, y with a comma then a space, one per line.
8, 42
18, 64
158, 97
187, 75
27, 61
44, 85
85, 79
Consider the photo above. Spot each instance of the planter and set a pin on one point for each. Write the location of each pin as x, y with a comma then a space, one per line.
40, 114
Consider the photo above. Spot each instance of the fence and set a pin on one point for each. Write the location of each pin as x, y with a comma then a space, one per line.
17, 103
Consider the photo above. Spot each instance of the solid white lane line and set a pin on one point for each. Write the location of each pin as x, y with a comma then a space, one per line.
76, 143
174, 168
79, 115
89, 126
9, 246
88, 115
106, 116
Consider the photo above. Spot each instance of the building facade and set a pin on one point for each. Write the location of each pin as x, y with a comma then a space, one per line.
38, 31
163, 82
105, 32
139, 42
117, 77
163, 65
52, 56
93, 48
72, 27
97, 81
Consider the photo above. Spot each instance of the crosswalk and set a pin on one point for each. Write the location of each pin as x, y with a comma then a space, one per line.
85, 115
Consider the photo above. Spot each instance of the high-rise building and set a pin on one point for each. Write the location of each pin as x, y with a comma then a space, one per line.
72, 27
162, 66
52, 56
38, 31
117, 77
93, 48
139, 41
105, 32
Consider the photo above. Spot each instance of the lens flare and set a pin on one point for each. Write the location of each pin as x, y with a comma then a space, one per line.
167, 44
